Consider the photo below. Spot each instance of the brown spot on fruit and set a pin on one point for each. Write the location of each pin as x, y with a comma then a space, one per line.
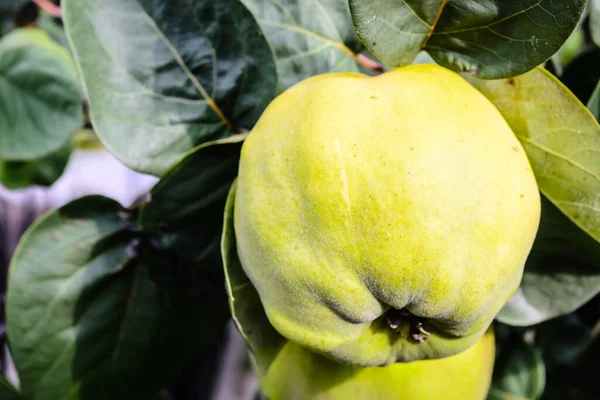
511, 81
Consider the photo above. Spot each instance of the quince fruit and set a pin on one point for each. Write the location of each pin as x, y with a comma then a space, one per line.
384, 219
299, 374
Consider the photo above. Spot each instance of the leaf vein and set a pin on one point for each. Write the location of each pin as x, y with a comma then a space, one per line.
211, 102
474, 28
558, 155
306, 32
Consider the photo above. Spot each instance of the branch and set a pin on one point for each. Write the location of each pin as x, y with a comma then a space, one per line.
49, 7
368, 63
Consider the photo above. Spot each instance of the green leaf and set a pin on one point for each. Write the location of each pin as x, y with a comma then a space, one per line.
7, 4
187, 203
520, 375
40, 102
561, 274
95, 312
594, 9
247, 311
562, 141
308, 37
594, 103
8, 391
561, 138
6, 11
574, 45
56, 31
492, 39
54, 308
164, 77
43, 171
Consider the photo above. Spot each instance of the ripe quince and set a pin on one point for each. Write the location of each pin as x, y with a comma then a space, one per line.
384, 219
299, 374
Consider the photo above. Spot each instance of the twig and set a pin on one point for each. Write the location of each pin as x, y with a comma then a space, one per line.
49, 7
368, 63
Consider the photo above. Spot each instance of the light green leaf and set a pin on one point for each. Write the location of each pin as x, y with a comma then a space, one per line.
492, 39
308, 37
40, 102
562, 141
561, 138
53, 29
561, 274
164, 77
595, 20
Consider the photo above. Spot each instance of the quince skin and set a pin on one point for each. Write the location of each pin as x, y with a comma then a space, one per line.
299, 374
384, 219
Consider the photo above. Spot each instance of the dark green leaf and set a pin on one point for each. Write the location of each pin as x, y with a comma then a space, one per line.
164, 77
520, 375
594, 103
6, 11
8, 391
43, 171
8, 4
561, 138
187, 203
561, 274
193, 317
492, 39
246, 309
308, 37
95, 312
40, 102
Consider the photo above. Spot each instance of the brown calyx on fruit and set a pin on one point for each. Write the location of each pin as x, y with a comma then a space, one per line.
395, 319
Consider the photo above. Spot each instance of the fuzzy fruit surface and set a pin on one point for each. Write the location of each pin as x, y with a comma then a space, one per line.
359, 195
299, 374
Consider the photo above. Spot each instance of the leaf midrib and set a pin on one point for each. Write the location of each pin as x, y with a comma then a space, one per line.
306, 32
209, 100
434, 24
